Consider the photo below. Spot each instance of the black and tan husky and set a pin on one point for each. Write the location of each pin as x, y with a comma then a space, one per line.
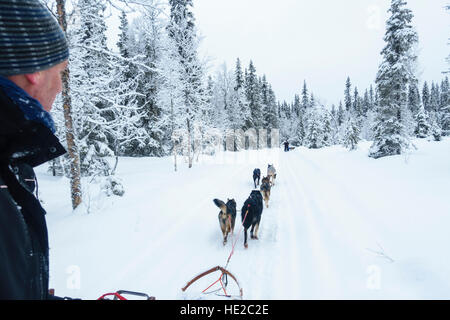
251, 215
265, 190
227, 217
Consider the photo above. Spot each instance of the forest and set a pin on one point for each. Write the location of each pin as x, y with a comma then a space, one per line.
152, 95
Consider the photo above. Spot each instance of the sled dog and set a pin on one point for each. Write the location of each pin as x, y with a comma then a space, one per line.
265, 190
251, 215
271, 174
256, 177
227, 217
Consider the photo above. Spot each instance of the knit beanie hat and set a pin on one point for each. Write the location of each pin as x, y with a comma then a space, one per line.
31, 39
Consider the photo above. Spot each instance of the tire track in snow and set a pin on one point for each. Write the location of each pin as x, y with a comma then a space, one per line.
322, 278
355, 210
287, 282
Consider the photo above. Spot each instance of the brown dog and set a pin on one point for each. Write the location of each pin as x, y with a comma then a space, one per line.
265, 190
227, 217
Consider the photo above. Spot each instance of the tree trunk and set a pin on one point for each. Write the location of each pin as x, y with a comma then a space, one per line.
75, 180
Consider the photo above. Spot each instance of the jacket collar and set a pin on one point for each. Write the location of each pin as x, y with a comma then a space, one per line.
22, 140
30, 107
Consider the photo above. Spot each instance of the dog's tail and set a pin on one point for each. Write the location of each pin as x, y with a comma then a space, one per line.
221, 205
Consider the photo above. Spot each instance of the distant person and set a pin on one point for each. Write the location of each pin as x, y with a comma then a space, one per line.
286, 146
33, 55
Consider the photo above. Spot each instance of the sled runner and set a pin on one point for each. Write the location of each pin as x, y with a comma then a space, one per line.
226, 289
122, 294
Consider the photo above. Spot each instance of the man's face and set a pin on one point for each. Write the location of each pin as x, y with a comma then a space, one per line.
49, 85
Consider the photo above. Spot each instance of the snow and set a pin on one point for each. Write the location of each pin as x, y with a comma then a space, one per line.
340, 225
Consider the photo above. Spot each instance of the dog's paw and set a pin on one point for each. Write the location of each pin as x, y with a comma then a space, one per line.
246, 245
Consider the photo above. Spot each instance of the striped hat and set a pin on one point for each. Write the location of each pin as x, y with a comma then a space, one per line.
31, 39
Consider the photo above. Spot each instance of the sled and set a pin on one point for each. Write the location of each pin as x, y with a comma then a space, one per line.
122, 294
224, 284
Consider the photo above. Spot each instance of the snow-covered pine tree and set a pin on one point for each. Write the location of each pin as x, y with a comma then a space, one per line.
340, 114
426, 96
298, 136
91, 80
151, 135
305, 97
435, 128
372, 105
131, 137
327, 135
422, 129
365, 103
348, 96
253, 93
285, 117
414, 98
297, 106
240, 99
334, 125
394, 75
351, 135
435, 97
357, 105
269, 103
445, 107
314, 128
183, 32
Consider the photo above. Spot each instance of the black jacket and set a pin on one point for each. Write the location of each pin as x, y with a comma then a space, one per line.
24, 265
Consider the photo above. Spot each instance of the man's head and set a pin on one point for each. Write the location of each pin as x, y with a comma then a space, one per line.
33, 49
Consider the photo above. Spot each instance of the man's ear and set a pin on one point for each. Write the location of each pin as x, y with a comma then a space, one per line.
33, 78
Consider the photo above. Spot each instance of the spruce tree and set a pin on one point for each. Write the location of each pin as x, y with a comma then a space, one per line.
422, 129
348, 95
435, 97
305, 97
435, 128
445, 106
426, 96
240, 99
413, 98
253, 92
314, 129
392, 81
351, 135
340, 114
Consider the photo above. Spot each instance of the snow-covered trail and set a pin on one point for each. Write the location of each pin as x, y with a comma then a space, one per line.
334, 228
320, 240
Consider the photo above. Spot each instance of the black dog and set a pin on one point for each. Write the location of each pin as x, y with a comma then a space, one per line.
256, 176
251, 215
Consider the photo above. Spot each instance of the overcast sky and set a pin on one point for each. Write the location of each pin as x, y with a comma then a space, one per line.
321, 41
